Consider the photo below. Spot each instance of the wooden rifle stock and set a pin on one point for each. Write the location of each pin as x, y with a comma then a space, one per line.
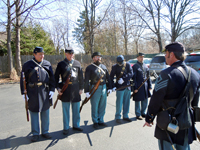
197, 134
153, 73
62, 90
25, 94
121, 88
140, 85
92, 91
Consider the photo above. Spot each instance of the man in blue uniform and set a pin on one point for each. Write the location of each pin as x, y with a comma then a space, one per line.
169, 85
123, 72
72, 95
141, 73
98, 100
40, 85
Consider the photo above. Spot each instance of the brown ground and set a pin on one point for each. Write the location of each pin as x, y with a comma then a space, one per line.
4, 79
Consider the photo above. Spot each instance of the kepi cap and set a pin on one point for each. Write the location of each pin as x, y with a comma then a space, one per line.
175, 47
38, 50
140, 54
120, 58
69, 50
96, 54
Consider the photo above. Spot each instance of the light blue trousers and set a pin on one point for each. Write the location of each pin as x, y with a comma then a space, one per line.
44, 117
98, 104
75, 114
141, 110
168, 146
123, 98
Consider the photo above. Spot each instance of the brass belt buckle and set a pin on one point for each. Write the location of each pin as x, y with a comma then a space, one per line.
70, 83
39, 84
31, 85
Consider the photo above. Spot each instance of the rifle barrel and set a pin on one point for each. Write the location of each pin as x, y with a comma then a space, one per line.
91, 92
25, 94
62, 90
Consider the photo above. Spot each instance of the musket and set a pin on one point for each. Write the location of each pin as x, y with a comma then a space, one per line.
92, 91
140, 85
153, 73
122, 88
25, 94
197, 134
62, 90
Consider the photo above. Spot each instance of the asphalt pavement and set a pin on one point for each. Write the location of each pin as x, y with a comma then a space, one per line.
15, 130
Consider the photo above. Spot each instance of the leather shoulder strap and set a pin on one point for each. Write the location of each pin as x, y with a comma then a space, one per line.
70, 67
188, 78
122, 72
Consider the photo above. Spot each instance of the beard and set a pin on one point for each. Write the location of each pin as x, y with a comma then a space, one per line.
97, 62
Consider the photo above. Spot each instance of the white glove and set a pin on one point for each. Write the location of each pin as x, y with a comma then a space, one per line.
114, 89
51, 93
120, 81
109, 91
80, 92
73, 74
87, 94
24, 97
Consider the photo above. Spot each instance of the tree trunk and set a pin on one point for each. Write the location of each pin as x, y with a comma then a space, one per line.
136, 46
18, 58
160, 43
125, 31
12, 71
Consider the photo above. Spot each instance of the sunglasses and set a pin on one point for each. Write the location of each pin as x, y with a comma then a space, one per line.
71, 53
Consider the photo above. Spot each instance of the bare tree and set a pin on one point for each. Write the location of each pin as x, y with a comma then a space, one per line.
60, 34
181, 16
137, 32
12, 71
90, 7
152, 17
125, 24
14, 19
21, 8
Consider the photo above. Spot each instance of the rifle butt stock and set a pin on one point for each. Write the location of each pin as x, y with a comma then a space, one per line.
27, 115
54, 105
198, 135
83, 103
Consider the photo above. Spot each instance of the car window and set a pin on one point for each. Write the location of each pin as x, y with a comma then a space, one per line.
192, 58
132, 61
158, 59
147, 61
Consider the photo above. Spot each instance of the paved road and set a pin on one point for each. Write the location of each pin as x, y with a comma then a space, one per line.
15, 130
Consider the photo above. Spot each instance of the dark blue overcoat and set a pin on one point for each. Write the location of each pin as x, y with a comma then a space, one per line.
126, 76
140, 73
169, 85
38, 95
71, 94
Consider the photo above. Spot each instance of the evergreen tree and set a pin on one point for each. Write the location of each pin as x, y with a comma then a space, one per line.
32, 35
80, 32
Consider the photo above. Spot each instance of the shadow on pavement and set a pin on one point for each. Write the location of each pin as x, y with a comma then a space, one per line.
14, 142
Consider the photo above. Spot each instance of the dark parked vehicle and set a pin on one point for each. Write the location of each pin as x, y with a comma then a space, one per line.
193, 60
158, 64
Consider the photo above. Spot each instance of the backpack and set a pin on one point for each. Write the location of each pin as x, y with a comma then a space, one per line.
177, 111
